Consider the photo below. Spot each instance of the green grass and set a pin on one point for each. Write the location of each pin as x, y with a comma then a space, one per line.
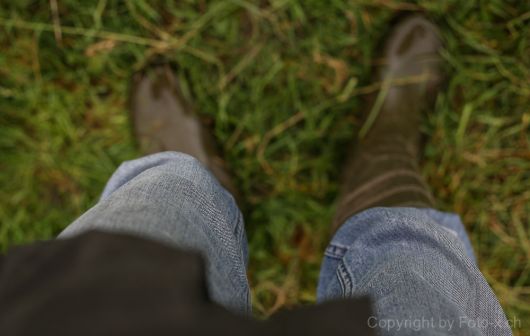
285, 82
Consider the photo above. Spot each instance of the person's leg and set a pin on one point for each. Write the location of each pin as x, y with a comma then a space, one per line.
417, 267
415, 263
183, 200
171, 197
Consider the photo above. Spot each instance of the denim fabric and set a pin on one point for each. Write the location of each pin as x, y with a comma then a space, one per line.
417, 265
172, 198
418, 269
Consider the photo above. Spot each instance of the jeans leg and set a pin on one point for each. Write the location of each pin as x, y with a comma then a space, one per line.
171, 197
418, 268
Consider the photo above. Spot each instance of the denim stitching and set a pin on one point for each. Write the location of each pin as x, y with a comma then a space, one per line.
335, 251
345, 280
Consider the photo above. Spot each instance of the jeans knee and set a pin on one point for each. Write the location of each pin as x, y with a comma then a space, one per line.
180, 169
171, 177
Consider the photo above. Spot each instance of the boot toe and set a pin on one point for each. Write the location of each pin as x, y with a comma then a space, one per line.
413, 39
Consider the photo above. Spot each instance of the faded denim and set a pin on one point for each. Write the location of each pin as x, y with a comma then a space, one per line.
415, 264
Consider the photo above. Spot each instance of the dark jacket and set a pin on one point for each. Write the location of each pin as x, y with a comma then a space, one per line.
114, 284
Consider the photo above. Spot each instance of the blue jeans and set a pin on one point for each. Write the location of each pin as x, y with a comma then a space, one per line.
417, 265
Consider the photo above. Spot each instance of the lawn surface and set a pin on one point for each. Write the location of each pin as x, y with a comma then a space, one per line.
284, 82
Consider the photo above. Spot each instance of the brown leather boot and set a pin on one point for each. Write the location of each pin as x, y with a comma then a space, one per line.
384, 168
164, 121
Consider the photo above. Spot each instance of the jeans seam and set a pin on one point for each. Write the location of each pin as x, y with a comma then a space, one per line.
345, 280
240, 237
